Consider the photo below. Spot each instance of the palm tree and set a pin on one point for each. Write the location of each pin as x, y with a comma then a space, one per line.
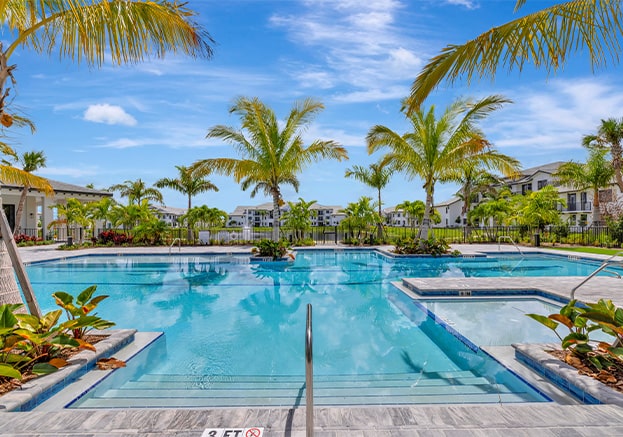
377, 175
544, 39
539, 208
475, 180
298, 217
415, 211
435, 147
360, 216
187, 183
31, 161
609, 136
270, 155
136, 191
127, 31
100, 210
595, 174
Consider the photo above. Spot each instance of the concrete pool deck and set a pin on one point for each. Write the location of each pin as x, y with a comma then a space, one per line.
551, 419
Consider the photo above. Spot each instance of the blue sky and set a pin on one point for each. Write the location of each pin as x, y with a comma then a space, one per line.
105, 126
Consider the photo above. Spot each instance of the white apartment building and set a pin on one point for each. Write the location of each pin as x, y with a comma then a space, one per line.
262, 215
168, 214
578, 210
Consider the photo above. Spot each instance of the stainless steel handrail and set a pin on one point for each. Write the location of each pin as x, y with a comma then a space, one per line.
309, 374
603, 265
507, 237
179, 244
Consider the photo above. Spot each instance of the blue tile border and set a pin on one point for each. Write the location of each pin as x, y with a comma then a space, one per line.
36, 391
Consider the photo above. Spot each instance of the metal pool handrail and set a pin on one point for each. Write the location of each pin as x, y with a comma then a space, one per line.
179, 244
309, 374
603, 265
507, 237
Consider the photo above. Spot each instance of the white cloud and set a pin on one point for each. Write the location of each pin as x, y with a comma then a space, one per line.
109, 114
362, 49
469, 4
123, 143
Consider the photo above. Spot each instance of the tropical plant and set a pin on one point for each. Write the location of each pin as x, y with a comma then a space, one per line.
204, 216
150, 232
271, 249
544, 39
581, 322
271, 154
435, 147
298, 217
431, 246
496, 206
475, 179
30, 161
414, 211
126, 31
595, 174
539, 208
70, 213
377, 176
609, 136
360, 217
136, 191
82, 312
132, 215
100, 211
187, 183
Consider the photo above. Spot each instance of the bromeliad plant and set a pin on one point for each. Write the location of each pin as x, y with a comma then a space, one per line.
581, 321
28, 342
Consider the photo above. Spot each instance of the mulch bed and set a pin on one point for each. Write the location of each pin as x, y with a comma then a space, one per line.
14, 384
612, 377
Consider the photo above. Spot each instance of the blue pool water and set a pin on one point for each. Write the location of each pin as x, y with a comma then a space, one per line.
234, 321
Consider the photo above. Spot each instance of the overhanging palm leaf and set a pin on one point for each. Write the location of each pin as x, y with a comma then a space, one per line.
545, 39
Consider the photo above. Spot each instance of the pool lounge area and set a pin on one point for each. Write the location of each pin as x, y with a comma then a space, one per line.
524, 419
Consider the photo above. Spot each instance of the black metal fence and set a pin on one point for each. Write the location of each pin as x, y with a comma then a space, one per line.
575, 235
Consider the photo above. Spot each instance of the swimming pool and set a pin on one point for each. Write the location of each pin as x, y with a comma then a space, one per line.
234, 330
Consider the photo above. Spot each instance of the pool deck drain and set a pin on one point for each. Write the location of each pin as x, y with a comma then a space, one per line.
430, 420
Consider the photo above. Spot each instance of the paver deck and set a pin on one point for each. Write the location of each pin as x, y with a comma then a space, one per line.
550, 419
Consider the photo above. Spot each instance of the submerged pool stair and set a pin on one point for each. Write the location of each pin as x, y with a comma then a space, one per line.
156, 390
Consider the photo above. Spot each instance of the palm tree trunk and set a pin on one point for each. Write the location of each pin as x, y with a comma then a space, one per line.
20, 210
424, 228
617, 151
596, 220
276, 217
379, 226
190, 234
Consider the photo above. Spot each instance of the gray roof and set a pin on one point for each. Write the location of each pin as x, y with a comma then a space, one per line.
63, 187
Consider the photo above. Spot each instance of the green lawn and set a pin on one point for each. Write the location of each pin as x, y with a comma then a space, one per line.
588, 249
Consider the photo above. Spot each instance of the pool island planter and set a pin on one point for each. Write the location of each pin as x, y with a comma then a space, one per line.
585, 388
38, 390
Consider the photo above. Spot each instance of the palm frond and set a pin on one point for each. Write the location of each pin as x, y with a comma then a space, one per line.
545, 39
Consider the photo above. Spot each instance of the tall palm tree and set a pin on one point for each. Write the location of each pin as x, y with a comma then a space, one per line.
31, 161
595, 174
377, 176
270, 155
545, 39
127, 31
187, 183
436, 147
609, 135
136, 191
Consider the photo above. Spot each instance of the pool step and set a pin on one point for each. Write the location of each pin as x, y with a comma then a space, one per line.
199, 391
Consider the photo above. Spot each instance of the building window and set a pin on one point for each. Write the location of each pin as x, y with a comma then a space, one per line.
541, 184
526, 188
